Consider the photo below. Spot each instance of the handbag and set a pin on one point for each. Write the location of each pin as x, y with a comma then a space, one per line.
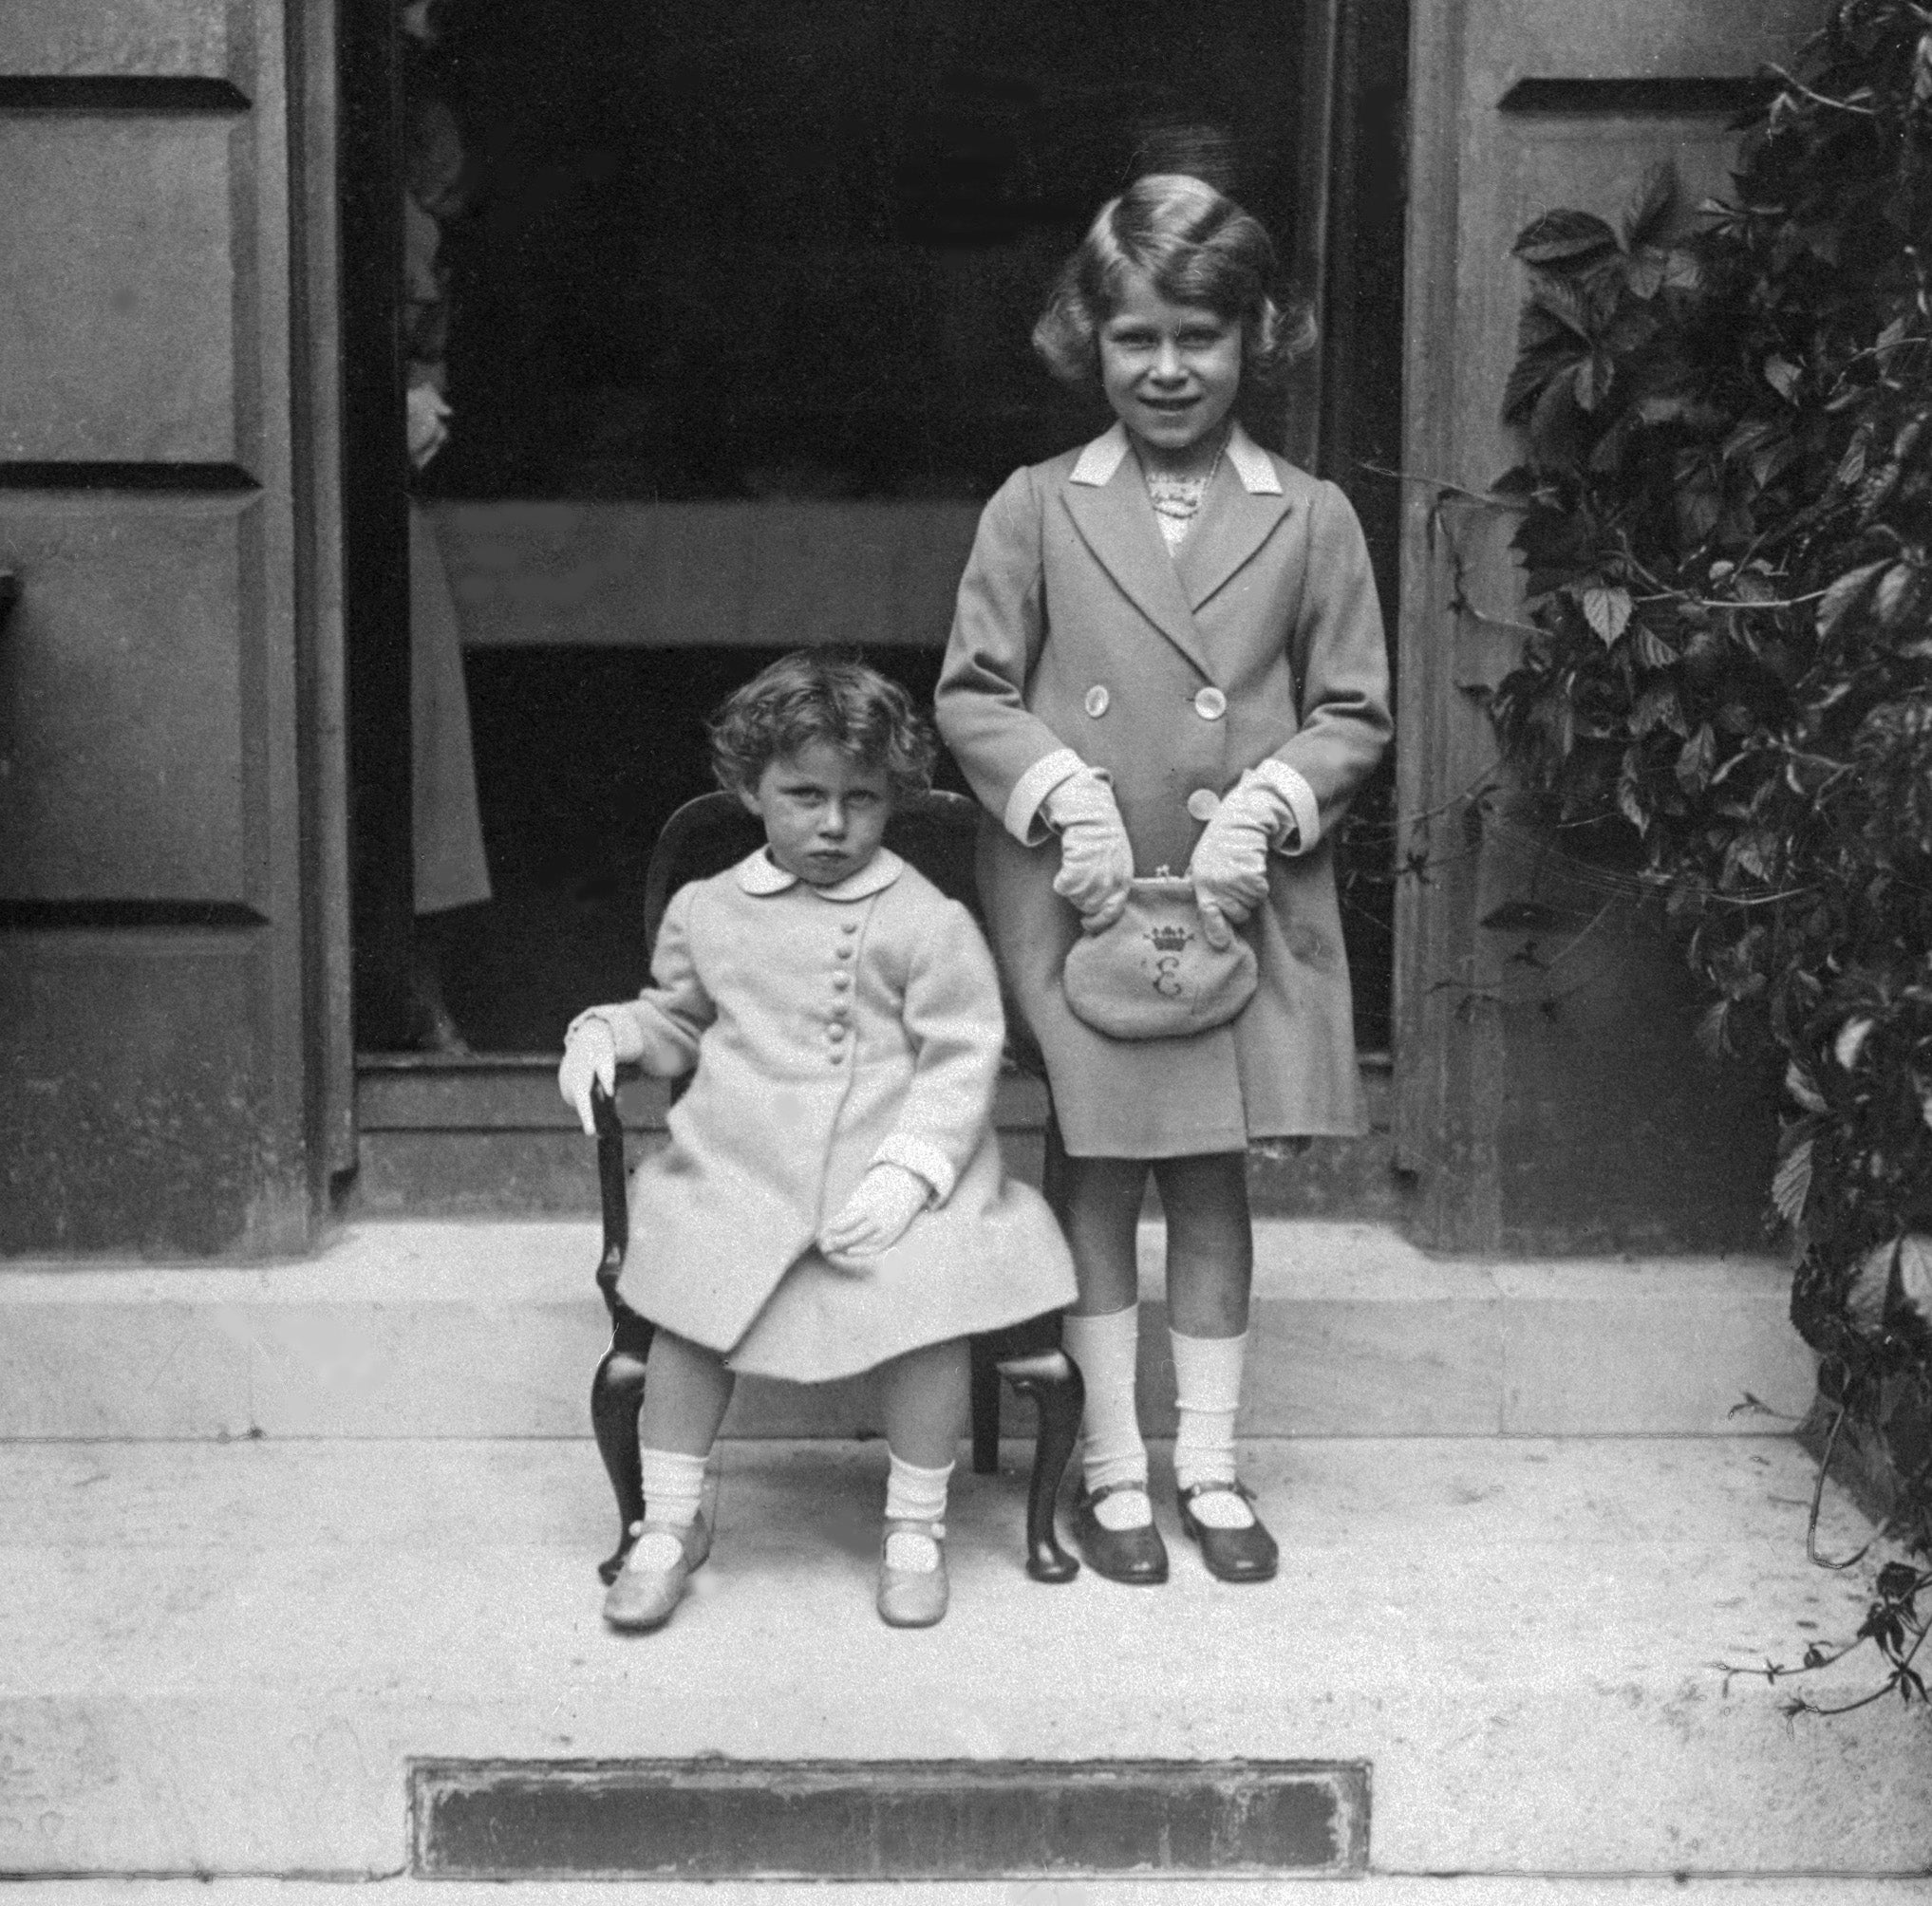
1151, 975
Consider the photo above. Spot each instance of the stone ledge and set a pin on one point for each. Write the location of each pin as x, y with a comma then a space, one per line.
451, 1329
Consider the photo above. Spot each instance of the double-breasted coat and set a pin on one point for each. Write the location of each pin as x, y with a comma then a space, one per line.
830, 1029
1258, 644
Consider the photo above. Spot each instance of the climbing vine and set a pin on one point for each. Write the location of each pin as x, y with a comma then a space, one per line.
1725, 520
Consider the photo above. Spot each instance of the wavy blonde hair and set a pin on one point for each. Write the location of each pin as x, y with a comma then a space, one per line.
1195, 245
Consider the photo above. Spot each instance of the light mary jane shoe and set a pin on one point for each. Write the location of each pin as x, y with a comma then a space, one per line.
912, 1585
652, 1582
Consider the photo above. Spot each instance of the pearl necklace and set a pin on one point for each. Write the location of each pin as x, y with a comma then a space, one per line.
1178, 499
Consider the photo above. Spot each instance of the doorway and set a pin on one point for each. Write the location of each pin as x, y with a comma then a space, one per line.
744, 291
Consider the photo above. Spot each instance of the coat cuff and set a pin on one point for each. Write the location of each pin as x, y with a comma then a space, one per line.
921, 1157
621, 1023
1021, 818
1300, 796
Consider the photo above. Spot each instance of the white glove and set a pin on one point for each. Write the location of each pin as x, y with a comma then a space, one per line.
875, 1216
1228, 866
1096, 857
590, 1053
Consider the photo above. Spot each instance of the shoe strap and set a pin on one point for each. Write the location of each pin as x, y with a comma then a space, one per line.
927, 1554
666, 1550
1237, 1488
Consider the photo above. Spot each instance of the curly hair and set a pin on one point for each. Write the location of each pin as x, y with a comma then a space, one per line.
820, 695
1195, 245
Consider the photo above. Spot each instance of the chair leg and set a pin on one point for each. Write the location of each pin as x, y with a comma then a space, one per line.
1052, 1378
616, 1393
985, 1401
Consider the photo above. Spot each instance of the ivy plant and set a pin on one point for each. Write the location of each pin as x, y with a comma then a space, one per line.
1725, 520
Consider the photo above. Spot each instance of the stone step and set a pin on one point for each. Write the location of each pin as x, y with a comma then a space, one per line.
1374, 1889
445, 1328
226, 1660
486, 1135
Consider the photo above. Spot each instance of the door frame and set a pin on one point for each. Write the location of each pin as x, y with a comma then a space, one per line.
366, 885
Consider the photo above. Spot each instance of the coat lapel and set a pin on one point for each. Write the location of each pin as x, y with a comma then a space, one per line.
1237, 518
1116, 522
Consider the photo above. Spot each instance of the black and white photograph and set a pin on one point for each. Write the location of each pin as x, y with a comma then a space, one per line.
965, 952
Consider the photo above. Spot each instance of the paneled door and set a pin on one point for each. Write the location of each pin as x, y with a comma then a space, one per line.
172, 936
1548, 1094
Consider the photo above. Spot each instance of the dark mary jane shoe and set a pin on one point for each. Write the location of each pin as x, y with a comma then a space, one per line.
1234, 1555
1135, 1556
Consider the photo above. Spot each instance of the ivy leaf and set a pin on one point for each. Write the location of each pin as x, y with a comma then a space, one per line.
1657, 707
1695, 758
1850, 1041
1528, 376
1783, 375
1653, 651
1790, 1189
1606, 609
1656, 205
1803, 1088
1851, 465
1593, 378
1844, 594
1644, 273
1681, 271
1712, 1034
1893, 596
1557, 238
1866, 1296
1662, 407
1560, 302
1915, 1274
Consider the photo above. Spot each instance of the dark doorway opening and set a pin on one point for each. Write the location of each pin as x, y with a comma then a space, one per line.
752, 258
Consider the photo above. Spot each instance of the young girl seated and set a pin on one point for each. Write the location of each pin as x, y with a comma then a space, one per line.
832, 1199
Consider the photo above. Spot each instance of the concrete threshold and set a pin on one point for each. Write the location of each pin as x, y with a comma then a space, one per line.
1375, 1889
222, 1660
426, 1328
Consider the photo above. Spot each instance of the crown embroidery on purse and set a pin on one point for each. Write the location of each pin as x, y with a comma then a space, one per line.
1169, 939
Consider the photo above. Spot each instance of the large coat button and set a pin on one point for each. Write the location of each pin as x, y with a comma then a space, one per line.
1097, 701
1202, 803
1211, 705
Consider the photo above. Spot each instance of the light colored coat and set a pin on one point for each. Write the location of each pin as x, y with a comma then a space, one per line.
1259, 643
830, 1028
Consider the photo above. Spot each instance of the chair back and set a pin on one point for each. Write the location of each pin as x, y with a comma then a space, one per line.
933, 831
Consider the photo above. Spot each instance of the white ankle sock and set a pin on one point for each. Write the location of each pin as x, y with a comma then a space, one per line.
914, 1495
673, 1486
1207, 1392
1112, 1452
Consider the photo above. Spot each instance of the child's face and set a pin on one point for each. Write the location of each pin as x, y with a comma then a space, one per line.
824, 812
1170, 371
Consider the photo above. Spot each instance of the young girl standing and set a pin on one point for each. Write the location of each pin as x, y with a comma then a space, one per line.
832, 1199
1168, 655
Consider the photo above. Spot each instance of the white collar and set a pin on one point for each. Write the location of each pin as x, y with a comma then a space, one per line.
759, 875
1098, 462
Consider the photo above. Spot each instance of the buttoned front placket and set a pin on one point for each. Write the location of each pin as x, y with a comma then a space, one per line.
838, 1031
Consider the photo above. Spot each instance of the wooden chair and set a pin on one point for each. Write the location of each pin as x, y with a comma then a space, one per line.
935, 833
